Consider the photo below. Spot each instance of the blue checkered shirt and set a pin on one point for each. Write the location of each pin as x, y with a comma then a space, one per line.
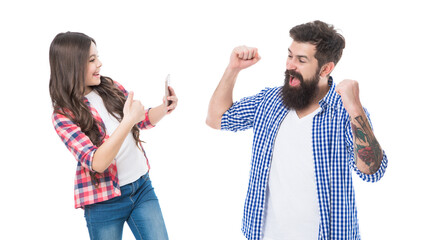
333, 152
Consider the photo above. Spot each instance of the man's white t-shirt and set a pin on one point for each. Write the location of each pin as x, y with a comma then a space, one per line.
292, 210
130, 160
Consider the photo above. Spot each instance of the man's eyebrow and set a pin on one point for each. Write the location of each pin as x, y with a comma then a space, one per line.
299, 56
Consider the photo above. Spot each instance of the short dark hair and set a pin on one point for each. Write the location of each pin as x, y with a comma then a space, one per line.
328, 42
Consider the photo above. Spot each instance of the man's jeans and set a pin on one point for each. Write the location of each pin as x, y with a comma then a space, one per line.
138, 206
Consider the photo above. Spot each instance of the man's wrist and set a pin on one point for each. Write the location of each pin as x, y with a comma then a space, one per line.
356, 111
232, 70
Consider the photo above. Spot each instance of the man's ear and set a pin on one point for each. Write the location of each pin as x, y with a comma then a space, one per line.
326, 69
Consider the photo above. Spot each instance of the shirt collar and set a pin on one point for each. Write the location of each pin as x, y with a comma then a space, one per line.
331, 98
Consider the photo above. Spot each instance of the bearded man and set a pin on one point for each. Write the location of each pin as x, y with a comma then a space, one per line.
308, 137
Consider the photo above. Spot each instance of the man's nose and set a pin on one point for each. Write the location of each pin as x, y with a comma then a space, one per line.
290, 65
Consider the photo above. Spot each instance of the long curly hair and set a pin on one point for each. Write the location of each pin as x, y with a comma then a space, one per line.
68, 58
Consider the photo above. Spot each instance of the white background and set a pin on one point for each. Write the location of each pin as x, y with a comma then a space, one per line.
200, 175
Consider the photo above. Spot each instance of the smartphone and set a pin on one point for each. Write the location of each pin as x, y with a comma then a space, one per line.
167, 92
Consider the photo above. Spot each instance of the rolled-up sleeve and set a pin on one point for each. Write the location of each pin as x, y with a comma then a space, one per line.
240, 116
77, 142
145, 124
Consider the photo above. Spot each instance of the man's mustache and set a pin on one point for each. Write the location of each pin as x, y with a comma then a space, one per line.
293, 73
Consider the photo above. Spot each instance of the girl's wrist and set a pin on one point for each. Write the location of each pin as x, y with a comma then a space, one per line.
127, 121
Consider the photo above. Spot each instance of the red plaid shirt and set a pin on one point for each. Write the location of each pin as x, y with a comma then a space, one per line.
79, 144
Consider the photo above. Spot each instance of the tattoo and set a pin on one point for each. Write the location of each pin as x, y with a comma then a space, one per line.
366, 147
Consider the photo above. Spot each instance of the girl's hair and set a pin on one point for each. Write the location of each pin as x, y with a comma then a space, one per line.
68, 58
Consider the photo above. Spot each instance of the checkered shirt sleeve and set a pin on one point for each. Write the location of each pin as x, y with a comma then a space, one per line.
77, 142
240, 116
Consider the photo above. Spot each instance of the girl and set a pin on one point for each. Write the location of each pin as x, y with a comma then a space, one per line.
99, 122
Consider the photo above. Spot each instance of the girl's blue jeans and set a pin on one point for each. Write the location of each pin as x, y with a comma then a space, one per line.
138, 206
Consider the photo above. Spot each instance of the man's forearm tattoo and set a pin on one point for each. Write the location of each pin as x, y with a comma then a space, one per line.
366, 147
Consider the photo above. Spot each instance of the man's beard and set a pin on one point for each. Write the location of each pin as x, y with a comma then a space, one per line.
299, 97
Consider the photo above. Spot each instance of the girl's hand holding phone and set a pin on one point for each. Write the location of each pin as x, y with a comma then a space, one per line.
172, 100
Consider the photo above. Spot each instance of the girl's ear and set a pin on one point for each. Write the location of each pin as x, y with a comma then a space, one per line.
326, 69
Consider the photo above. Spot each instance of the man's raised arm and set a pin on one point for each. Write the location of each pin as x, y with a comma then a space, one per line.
222, 98
368, 153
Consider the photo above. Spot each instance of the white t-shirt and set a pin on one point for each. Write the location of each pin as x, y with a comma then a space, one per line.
292, 210
130, 160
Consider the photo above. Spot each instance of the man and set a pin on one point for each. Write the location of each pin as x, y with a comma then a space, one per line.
308, 137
